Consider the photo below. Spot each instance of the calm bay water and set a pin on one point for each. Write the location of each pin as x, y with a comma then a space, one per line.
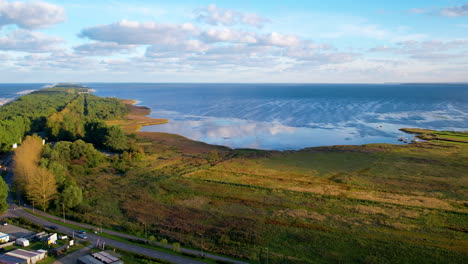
295, 116
289, 116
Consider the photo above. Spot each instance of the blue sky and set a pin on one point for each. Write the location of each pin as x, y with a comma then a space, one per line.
234, 41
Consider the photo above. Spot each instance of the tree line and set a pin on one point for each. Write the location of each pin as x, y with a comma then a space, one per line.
74, 123
84, 117
29, 114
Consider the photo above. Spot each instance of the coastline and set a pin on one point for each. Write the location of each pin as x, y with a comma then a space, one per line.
7, 100
136, 118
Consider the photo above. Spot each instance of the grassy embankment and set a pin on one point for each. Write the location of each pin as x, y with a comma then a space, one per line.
137, 118
377, 203
427, 134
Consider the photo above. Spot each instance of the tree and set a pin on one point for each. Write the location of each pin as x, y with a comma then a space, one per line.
26, 160
3, 195
59, 171
115, 140
41, 188
95, 132
71, 196
61, 152
176, 247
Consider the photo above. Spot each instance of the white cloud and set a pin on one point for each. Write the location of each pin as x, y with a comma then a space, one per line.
229, 35
181, 49
63, 61
143, 33
431, 50
277, 39
319, 54
28, 41
214, 15
30, 15
102, 48
234, 36
373, 31
455, 11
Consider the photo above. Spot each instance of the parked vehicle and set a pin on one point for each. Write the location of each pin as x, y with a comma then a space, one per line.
82, 236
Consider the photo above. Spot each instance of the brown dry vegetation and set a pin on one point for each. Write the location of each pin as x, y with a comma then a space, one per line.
137, 118
400, 204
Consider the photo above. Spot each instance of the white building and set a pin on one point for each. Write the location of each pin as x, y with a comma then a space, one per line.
31, 257
52, 239
22, 242
4, 237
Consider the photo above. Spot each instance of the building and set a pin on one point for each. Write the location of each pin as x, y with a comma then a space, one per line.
4, 238
88, 259
52, 239
60, 250
31, 257
4, 259
22, 242
102, 257
106, 258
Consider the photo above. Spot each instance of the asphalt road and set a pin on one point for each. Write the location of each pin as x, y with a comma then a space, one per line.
16, 211
127, 236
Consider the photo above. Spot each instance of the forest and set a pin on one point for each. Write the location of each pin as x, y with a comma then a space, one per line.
70, 120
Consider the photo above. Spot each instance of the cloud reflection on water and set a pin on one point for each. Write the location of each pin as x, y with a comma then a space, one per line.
237, 133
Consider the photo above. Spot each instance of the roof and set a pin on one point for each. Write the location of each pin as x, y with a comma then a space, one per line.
105, 257
21, 239
21, 253
3, 235
89, 260
10, 260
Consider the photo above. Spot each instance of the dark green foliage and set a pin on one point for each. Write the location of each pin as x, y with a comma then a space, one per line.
103, 108
3, 195
96, 132
64, 153
115, 140
60, 172
28, 114
83, 119
71, 196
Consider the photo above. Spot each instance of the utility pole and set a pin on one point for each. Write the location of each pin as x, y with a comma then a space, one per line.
63, 209
33, 207
100, 220
201, 244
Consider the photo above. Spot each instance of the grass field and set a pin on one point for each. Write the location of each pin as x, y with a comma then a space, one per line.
377, 203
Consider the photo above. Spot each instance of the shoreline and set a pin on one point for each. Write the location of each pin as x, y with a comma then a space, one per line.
137, 118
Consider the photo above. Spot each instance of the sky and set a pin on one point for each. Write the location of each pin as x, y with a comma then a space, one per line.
300, 41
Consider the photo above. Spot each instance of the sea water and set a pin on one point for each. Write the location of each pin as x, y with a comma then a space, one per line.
289, 116
11, 91
296, 116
